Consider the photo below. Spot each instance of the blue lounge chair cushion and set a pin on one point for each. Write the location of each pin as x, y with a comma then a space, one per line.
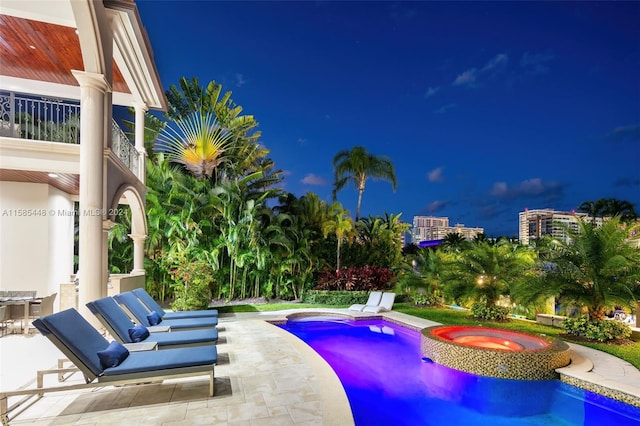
154, 318
140, 312
109, 312
83, 340
113, 355
138, 333
197, 336
119, 321
138, 362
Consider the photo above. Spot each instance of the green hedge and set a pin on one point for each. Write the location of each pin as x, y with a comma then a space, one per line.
601, 331
329, 297
481, 310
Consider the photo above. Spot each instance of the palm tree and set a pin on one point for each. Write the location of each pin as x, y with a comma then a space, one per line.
484, 272
597, 269
198, 143
609, 207
357, 165
341, 225
622, 208
454, 242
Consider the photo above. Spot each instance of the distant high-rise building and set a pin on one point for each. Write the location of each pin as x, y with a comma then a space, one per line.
536, 223
428, 228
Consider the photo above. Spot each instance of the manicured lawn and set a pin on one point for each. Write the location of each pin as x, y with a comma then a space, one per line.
629, 353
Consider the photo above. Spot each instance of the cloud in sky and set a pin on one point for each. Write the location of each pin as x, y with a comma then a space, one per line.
302, 141
470, 77
499, 60
629, 133
444, 108
431, 91
435, 175
467, 78
311, 179
535, 187
240, 81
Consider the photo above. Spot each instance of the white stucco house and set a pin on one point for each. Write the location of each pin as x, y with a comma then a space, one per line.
63, 61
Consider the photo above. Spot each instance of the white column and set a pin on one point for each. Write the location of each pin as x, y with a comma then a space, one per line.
140, 109
93, 132
138, 253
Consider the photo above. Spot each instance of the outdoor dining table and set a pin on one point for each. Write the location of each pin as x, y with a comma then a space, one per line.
25, 301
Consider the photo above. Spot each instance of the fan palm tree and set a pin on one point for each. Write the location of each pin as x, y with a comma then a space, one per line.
357, 165
198, 143
597, 269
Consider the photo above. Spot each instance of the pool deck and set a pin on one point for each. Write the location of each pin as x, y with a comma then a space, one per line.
265, 376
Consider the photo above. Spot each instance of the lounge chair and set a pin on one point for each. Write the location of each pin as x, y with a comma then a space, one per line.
121, 328
152, 305
386, 304
81, 343
374, 300
142, 316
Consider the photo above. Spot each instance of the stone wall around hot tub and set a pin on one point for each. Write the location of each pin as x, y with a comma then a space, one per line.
524, 365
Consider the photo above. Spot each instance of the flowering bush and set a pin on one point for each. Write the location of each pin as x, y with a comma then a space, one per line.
191, 286
365, 278
596, 330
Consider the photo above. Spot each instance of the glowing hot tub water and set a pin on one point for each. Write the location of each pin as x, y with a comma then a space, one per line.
494, 352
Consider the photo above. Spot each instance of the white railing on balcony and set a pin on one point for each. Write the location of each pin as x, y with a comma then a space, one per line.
55, 120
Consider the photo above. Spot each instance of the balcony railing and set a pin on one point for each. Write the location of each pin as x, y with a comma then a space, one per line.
124, 149
55, 120
43, 119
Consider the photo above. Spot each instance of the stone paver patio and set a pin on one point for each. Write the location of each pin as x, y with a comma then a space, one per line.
265, 376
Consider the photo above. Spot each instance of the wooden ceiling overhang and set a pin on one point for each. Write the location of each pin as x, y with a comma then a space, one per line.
41, 51
40, 48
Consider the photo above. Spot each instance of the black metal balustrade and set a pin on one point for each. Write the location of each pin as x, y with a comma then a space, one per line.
55, 120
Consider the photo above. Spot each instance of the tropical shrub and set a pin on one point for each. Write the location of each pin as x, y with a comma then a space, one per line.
600, 330
365, 278
422, 299
191, 285
482, 310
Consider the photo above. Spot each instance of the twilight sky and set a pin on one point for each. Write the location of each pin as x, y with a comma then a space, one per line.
485, 108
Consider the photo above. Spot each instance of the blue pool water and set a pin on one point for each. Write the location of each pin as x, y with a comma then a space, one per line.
387, 383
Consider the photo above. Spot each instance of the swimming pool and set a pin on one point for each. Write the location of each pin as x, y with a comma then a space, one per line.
387, 383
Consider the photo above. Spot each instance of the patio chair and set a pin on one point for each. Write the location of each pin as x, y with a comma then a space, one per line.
152, 305
82, 343
374, 300
42, 308
142, 316
121, 328
386, 304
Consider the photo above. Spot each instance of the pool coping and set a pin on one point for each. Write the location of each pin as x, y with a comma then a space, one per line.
580, 372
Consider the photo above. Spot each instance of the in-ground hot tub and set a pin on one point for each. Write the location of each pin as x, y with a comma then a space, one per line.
494, 352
